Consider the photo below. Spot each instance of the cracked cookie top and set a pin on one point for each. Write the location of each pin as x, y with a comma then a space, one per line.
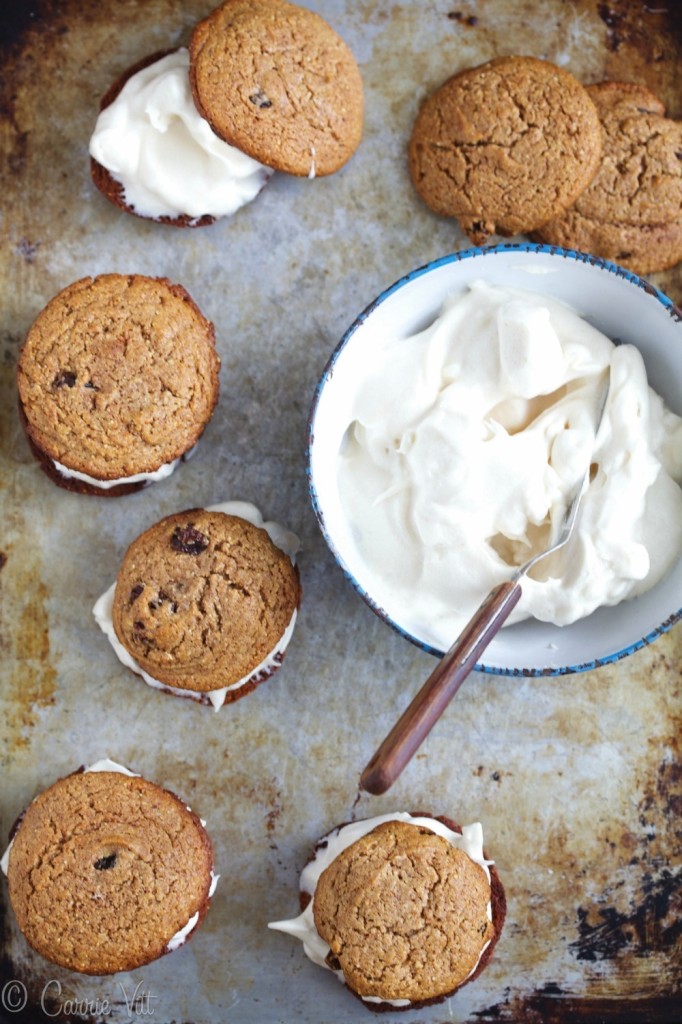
118, 375
105, 869
275, 80
505, 147
631, 212
405, 913
202, 599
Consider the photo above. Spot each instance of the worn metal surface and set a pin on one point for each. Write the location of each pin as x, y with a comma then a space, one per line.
576, 780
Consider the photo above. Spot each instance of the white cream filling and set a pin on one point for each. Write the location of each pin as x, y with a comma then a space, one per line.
182, 935
166, 157
4, 863
303, 926
285, 540
105, 485
107, 765
179, 938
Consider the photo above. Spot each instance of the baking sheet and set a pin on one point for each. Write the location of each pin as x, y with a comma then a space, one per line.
576, 780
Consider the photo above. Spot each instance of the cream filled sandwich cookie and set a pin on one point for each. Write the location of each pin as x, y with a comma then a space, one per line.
205, 603
107, 871
118, 378
402, 908
188, 136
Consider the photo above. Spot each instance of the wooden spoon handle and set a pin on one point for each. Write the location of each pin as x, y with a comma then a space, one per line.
422, 714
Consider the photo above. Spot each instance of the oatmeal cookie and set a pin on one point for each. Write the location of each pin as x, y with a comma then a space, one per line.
202, 599
632, 210
276, 80
117, 380
505, 147
108, 871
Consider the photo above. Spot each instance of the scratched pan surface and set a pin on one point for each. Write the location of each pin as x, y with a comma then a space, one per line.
574, 779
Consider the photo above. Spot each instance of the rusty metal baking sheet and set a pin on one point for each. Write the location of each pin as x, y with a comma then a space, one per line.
576, 780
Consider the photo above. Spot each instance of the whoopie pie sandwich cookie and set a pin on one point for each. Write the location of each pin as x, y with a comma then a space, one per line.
186, 137
505, 147
403, 908
205, 603
107, 871
631, 212
117, 379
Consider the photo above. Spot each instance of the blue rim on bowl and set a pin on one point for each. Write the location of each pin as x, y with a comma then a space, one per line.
511, 249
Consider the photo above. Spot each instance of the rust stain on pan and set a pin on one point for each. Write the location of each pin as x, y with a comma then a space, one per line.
551, 1006
24, 629
654, 923
642, 43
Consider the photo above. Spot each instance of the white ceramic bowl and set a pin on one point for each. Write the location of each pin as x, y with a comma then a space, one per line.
618, 303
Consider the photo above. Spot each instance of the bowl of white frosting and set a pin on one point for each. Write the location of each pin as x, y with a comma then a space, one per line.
451, 425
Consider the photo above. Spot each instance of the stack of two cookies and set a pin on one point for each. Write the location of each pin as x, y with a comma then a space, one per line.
518, 145
187, 136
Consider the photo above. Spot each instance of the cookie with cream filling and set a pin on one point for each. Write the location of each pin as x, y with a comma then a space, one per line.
276, 80
405, 909
107, 871
205, 603
118, 378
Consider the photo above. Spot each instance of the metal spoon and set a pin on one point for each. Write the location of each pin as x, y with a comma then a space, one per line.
441, 686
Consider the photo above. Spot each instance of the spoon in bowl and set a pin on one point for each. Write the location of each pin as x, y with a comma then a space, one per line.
418, 719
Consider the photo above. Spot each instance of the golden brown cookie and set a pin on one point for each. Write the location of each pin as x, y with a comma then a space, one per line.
107, 872
103, 179
117, 378
505, 147
404, 913
275, 80
202, 599
632, 210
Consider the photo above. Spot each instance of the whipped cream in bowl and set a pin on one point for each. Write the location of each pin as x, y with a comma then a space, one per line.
452, 423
